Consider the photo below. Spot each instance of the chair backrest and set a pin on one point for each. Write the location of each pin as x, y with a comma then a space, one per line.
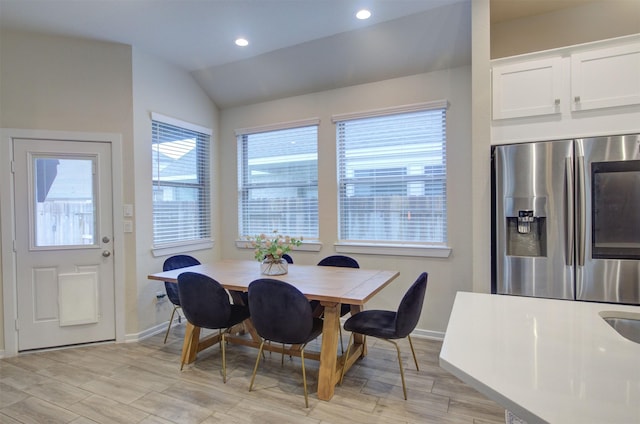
205, 303
339, 260
411, 307
287, 258
279, 311
175, 262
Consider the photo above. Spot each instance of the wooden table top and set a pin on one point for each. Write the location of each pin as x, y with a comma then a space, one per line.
354, 286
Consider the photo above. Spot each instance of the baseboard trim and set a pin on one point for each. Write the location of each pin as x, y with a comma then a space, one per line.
160, 328
152, 331
428, 334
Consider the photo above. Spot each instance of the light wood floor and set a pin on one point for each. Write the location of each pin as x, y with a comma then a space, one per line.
142, 383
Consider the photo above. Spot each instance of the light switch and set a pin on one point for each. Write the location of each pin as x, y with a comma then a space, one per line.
128, 226
127, 210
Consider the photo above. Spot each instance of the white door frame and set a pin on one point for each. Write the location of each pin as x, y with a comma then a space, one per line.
7, 225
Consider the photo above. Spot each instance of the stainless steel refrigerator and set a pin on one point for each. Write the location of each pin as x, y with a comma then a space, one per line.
567, 219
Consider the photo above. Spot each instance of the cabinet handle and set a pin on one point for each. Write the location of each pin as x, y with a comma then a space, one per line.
576, 99
557, 102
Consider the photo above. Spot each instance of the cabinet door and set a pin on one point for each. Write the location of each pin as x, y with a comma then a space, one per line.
528, 88
605, 77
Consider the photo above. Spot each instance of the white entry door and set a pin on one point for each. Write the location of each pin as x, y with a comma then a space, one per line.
63, 242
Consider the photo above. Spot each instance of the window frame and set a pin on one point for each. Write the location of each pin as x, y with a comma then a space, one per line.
205, 183
310, 242
382, 247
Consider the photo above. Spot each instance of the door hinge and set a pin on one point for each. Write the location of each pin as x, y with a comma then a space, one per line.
13, 167
17, 325
14, 246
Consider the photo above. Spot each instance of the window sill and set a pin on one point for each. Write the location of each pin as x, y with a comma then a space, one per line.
394, 249
175, 249
306, 246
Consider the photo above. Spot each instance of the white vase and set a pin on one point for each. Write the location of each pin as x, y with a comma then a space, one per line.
274, 267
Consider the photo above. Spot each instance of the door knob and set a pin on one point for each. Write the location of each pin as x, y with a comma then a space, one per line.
106, 253
106, 239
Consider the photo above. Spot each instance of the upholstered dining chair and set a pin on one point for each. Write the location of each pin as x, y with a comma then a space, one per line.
287, 258
391, 325
175, 262
206, 304
344, 262
280, 313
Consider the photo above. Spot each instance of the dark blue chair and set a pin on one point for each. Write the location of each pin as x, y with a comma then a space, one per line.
280, 313
287, 258
391, 325
206, 304
175, 262
344, 262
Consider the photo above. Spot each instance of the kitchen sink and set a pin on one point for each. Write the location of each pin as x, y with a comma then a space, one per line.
626, 324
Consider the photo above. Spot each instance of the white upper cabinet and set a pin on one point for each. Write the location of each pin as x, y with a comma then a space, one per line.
605, 78
585, 90
527, 88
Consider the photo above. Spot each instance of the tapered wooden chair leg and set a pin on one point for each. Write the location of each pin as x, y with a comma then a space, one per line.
404, 387
255, 368
304, 380
415, 359
170, 321
224, 360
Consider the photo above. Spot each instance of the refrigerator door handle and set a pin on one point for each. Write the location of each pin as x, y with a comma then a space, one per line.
581, 210
568, 218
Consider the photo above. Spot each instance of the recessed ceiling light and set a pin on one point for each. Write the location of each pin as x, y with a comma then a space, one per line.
363, 14
242, 42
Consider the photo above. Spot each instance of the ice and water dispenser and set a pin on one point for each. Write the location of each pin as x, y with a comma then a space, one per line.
526, 231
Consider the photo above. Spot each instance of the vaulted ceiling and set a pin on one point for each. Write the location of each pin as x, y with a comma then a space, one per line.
296, 46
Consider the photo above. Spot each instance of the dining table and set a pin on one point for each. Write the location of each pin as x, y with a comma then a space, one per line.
331, 286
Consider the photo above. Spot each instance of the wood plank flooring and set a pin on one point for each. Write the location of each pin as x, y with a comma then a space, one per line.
142, 383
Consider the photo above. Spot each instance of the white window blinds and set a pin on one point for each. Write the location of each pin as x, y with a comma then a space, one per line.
181, 185
392, 178
278, 182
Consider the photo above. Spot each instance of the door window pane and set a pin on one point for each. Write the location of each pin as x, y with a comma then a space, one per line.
64, 202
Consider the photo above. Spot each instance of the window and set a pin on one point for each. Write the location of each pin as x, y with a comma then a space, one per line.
181, 183
392, 176
278, 181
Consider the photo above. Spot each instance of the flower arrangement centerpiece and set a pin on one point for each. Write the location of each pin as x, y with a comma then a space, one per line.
269, 250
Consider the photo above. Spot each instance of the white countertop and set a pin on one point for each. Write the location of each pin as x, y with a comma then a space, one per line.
545, 360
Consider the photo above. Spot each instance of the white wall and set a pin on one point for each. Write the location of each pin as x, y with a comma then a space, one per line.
66, 84
63, 83
446, 276
584, 23
481, 142
166, 89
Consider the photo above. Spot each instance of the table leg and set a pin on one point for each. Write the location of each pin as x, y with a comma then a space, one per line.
328, 351
190, 343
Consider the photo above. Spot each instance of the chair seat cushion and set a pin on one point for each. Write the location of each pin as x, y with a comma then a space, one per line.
375, 323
